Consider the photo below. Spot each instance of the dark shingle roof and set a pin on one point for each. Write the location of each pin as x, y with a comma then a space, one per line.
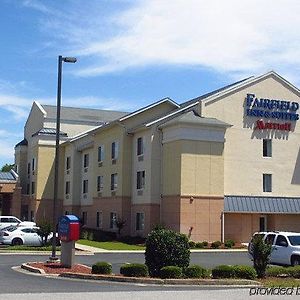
83, 114
259, 204
49, 131
212, 93
7, 176
22, 143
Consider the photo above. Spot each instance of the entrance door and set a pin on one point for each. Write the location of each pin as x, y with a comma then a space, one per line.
263, 223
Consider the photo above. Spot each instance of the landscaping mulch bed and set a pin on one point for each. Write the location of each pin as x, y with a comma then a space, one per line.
58, 268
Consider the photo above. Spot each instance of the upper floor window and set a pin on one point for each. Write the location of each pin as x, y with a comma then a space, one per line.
86, 160
267, 148
267, 182
68, 163
140, 146
114, 181
114, 150
67, 187
85, 186
33, 164
28, 168
32, 187
99, 183
140, 180
100, 153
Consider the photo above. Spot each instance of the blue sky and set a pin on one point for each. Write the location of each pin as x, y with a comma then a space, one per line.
133, 52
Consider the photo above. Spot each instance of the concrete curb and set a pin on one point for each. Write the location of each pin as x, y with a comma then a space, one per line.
143, 280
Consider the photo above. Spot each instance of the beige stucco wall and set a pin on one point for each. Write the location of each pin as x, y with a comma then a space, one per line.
243, 160
34, 122
21, 162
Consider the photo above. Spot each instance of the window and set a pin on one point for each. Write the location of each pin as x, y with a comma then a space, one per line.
114, 181
28, 189
32, 187
100, 153
33, 164
140, 221
140, 146
140, 180
84, 217
113, 219
28, 168
114, 150
267, 148
67, 187
86, 160
32, 216
281, 241
85, 186
267, 183
68, 163
99, 183
270, 239
17, 168
99, 219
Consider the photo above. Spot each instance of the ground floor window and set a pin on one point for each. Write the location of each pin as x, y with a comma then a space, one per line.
267, 182
140, 221
263, 223
84, 218
99, 219
113, 219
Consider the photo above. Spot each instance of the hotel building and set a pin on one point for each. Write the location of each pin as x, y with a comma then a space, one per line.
220, 166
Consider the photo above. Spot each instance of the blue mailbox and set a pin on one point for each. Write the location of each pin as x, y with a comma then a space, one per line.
68, 228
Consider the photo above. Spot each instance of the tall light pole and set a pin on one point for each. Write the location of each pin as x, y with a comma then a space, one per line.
61, 59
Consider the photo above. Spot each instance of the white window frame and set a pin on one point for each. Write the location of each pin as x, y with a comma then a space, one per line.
140, 180
140, 146
85, 186
114, 182
101, 153
100, 183
115, 150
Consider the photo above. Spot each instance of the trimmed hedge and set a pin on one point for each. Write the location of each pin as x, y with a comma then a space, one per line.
134, 270
229, 243
216, 244
277, 271
192, 244
170, 272
166, 248
97, 235
196, 271
245, 272
238, 271
223, 271
101, 267
205, 243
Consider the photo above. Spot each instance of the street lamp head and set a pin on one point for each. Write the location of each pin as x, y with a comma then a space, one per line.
70, 59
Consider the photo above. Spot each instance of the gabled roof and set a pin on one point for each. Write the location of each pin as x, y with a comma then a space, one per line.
214, 92
22, 143
83, 114
193, 118
149, 107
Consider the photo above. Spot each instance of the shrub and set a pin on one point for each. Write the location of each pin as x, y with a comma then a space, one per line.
192, 244
132, 240
245, 272
223, 271
166, 248
216, 244
195, 271
277, 271
90, 236
45, 229
98, 235
84, 234
293, 271
134, 270
261, 255
229, 243
199, 245
205, 243
101, 267
171, 272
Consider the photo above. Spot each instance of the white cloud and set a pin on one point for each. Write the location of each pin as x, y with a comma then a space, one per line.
233, 36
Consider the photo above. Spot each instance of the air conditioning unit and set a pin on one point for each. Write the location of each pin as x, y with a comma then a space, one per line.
86, 170
99, 194
33, 172
140, 157
84, 196
68, 172
67, 196
113, 193
100, 164
140, 192
113, 161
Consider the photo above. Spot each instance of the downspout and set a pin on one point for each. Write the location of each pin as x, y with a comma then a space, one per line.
223, 227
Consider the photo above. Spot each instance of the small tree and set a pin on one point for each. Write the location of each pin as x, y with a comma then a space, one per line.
120, 225
166, 248
45, 229
261, 252
7, 167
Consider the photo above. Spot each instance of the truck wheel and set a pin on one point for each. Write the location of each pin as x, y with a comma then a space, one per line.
17, 242
295, 261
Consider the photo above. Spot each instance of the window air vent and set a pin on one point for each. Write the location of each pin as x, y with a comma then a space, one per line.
141, 158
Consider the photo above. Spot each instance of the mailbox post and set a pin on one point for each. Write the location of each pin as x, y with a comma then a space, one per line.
68, 231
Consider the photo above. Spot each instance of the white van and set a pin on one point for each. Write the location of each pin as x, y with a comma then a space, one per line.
6, 221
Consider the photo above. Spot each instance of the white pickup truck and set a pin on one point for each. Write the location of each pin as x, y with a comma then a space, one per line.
285, 247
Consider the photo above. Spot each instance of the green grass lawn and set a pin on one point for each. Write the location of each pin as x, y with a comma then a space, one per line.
110, 245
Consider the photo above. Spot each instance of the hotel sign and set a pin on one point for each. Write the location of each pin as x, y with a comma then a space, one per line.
272, 109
